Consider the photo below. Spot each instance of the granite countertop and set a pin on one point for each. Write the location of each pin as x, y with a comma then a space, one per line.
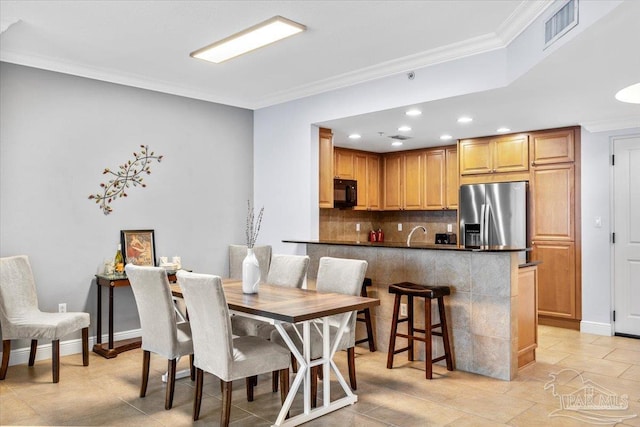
413, 245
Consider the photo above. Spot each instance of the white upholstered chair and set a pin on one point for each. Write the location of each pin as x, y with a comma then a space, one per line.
237, 254
337, 275
217, 351
162, 333
285, 270
20, 317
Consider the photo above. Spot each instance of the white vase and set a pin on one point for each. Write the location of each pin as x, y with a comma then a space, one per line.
250, 273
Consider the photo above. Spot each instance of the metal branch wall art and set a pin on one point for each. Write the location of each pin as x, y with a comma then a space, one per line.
127, 175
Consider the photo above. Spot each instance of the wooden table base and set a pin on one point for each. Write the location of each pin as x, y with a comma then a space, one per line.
118, 347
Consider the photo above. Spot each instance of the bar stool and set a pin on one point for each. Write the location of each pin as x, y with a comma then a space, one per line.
428, 293
367, 317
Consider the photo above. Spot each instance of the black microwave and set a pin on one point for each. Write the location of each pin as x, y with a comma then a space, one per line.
345, 193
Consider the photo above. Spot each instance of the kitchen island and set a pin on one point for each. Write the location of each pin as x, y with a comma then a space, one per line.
487, 306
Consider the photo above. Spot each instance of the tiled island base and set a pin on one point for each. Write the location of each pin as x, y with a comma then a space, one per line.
481, 310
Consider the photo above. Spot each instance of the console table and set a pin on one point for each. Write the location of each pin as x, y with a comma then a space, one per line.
112, 348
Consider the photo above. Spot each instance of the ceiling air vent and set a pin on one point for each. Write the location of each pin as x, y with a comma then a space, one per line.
400, 137
561, 22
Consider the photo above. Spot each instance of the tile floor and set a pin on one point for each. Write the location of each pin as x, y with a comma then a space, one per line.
106, 392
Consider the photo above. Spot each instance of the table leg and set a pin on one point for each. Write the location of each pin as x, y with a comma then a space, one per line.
99, 319
110, 317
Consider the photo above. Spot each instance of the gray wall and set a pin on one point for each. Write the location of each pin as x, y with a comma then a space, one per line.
58, 133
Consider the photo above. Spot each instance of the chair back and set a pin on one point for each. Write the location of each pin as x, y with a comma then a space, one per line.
152, 293
343, 276
288, 270
210, 322
237, 254
18, 294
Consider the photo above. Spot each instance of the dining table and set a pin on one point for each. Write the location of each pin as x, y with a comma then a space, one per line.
279, 306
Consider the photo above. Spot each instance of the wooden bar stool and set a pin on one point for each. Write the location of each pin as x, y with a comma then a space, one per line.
428, 293
367, 317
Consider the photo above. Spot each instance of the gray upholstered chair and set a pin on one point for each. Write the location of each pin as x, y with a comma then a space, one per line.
237, 254
285, 270
337, 275
162, 333
20, 317
217, 351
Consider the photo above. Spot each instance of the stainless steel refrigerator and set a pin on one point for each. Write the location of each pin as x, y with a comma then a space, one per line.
494, 215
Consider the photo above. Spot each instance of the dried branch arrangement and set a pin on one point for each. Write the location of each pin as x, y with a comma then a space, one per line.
253, 227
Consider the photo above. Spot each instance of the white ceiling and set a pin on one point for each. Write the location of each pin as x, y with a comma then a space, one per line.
147, 44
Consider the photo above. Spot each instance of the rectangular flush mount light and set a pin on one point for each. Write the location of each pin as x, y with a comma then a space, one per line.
262, 34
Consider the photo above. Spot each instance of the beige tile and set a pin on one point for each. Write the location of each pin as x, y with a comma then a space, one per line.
550, 355
574, 347
494, 406
589, 364
623, 355
633, 373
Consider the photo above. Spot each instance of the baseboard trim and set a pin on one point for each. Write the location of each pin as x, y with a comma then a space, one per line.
596, 328
20, 356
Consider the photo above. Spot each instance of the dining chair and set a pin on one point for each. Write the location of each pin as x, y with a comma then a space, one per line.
20, 317
337, 275
285, 270
162, 332
237, 254
218, 351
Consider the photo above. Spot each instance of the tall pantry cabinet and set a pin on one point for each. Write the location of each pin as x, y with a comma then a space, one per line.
555, 224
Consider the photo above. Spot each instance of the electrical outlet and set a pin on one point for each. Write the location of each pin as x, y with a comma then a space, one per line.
399, 227
62, 307
449, 228
403, 309
357, 227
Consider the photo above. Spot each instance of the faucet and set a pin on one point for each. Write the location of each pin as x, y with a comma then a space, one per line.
411, 233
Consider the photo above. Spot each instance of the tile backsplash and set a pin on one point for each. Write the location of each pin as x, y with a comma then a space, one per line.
340, 224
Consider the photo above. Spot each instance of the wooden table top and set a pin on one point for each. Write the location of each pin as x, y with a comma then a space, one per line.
291, 305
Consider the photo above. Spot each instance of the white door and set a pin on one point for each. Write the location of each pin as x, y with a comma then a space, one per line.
626, 181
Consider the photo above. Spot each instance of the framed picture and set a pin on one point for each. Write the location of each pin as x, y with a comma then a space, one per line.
138, 247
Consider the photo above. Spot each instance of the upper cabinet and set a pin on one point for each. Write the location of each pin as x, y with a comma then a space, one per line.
343, 163
325, 160
441, 178
367, 173
403, 181
494, 155
364, 167
555, 146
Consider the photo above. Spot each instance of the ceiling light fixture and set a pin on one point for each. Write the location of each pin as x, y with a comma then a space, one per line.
629, 94
445, 137
502, 130
396, 143
465, 119
404, 128
262, 34
413, 112
355, 136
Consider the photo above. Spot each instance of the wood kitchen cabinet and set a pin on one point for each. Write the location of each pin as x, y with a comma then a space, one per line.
343, 163
555, 224
367, 173
494, 155
403, 180
527, 315
550, 147
441, 179
325, 166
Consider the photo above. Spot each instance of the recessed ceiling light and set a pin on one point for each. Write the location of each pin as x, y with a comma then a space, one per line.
465, 119
396, 143
404, 128
629, 94
445, 137
355, 136
413, 112
262, 34
502, 130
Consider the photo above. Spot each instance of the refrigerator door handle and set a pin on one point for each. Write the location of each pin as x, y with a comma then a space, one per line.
483, 230
485, 225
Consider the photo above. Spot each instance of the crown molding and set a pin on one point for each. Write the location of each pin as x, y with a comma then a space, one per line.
616, 123
517, 22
